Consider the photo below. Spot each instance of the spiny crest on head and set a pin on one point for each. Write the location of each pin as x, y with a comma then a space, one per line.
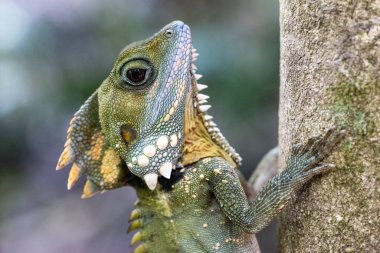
200, 103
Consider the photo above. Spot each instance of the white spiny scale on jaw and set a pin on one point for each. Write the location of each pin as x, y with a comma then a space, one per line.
166, 169
200, 102
151, 180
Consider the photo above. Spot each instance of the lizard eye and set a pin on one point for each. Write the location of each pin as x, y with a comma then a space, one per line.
136, 73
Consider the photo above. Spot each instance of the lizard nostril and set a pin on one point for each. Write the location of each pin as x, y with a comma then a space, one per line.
169, 33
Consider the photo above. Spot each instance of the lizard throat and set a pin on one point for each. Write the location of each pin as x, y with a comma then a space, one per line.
198, 142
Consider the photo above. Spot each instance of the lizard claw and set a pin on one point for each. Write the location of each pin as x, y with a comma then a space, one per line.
327, 143
305, 160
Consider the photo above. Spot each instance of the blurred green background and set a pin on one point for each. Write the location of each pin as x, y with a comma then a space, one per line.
54, 54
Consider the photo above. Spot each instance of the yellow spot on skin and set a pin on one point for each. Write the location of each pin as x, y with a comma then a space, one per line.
109, 168
205, 225
201, 176
176, 103
167, 117
97, 142
171, 111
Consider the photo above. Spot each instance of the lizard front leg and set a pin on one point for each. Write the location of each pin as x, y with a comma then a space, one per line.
303, 164
265, 171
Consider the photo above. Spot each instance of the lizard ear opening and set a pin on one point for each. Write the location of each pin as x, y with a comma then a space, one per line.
88, 149
128, 134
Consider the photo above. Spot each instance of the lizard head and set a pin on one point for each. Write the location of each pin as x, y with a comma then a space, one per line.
142, 102
146, 118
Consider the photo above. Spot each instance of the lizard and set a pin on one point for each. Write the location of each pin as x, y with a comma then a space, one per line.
147, 126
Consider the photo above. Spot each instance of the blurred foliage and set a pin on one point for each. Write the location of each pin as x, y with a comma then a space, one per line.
54, 54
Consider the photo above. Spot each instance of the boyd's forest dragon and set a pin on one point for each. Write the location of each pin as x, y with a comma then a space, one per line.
147, 126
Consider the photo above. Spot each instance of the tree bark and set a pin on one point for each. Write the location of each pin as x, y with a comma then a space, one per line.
330, 75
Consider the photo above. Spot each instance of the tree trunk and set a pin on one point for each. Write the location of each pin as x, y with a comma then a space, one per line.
330, 75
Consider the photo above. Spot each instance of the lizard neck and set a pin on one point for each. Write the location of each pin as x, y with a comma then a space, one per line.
201, 136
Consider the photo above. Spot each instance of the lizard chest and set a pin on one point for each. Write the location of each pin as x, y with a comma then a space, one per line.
182, 217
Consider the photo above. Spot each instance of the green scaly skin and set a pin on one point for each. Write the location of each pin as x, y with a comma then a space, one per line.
132, 132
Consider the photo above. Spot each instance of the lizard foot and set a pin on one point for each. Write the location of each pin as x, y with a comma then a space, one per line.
306, 159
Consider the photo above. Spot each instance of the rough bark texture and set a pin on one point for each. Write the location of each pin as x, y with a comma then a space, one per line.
330, 75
